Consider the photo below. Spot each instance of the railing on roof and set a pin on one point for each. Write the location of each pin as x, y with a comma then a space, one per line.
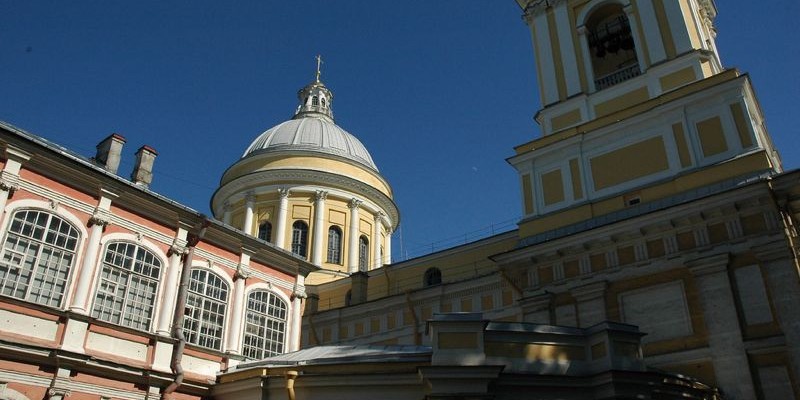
617, 76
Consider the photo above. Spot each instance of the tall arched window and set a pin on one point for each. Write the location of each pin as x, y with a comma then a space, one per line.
613, 51
265, 325
127, 286
300, 238
37, 257
205, 309
334, 245
265, 231
433, 276
363, 253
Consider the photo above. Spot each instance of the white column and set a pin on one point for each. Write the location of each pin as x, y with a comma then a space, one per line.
546, 58
376, 241
724, 333
352, 233
9, 177
237, 308
297, 314
167, 307
226, 213
249, 206
677, 26
652, 36
280, 225
569, 61
634, 25
387, 247
98, 221
318, 228
588, 71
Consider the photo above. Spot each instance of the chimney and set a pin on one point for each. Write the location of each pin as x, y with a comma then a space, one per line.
143, 170
109, 152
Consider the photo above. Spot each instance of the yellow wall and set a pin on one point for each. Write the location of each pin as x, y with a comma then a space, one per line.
758, 161
622, 102
552, 187
712, 137
677, 78
628, 163
304, 162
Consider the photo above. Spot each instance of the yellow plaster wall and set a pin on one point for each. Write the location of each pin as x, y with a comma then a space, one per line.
628, 163
738, 113
575, 174
304, 162
758, 161
621, 115
677, 78
552, 187
622, 102
566, 119
337, 217
692, 28
663, 27
712, 137
558, 63
680, 142
527, 193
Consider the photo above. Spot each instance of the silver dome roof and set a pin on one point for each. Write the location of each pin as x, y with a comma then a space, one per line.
311, 133
312, 129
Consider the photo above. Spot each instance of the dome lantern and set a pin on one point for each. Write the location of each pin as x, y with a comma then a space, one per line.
315, 99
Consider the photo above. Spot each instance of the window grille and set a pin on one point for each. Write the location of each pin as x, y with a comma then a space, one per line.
265, 231
37, 257
265, 325
300, 238
363, 253
205, 309
335, 245
127, 286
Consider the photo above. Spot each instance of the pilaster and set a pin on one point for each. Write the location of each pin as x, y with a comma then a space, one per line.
591, 303
98, 222
722, 322
780, 267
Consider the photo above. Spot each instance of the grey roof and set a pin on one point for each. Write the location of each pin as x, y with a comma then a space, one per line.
320, 355
310, 133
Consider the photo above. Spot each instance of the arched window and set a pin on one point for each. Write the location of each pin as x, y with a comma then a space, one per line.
433, 276
265, 325
314, 101
612, 47
205, 309
265, 231
37, 257
363, 253
323, 102
300, 238
127, 286
334, 245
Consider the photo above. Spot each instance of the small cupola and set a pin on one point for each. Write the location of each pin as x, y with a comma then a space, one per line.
315, 99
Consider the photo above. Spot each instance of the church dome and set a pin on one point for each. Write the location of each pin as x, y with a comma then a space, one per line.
308, 132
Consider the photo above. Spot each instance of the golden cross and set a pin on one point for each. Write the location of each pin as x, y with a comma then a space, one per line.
319, 64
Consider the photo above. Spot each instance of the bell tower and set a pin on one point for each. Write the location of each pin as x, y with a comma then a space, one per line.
637, 108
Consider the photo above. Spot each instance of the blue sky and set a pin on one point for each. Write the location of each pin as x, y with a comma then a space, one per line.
439, 91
